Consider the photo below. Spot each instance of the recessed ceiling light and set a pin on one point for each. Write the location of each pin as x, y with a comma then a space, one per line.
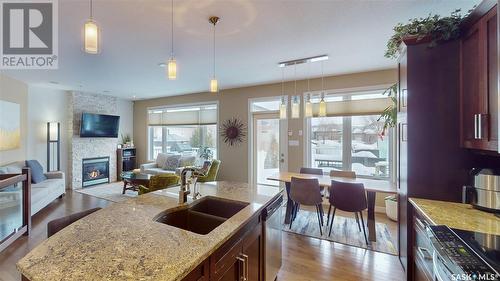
161, 64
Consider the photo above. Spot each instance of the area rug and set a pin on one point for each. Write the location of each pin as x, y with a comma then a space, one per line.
345, 230
111, 192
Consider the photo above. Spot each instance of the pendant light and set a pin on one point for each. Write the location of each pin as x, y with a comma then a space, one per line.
295, 100
284, 102
308, 109
91, 34
214, 87
322, 103
172, 64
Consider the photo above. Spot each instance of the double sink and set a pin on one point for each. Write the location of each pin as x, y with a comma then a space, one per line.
203, 215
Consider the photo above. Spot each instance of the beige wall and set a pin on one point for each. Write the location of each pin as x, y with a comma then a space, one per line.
234, 103
12, 90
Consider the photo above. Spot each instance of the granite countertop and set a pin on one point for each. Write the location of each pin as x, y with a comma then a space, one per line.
457, 215
122, 242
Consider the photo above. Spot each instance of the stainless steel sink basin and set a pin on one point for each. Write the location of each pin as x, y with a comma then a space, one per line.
202, 216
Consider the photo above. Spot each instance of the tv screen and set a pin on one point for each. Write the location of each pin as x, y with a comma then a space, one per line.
99, 126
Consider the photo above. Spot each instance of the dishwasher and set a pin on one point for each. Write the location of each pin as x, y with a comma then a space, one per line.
272, 217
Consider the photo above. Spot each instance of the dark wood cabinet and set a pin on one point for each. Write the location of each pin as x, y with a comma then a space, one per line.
430, 160
125, 160
241, 258
479, 84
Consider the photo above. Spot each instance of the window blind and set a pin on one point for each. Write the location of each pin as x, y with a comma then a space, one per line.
355, 107
192, 115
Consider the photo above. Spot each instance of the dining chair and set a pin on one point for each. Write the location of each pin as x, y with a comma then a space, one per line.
307, 192
309, 171
57, 225
340, 174
348, 197
343, 174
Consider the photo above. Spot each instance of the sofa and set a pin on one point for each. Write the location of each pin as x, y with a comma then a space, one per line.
42, 193
167, 164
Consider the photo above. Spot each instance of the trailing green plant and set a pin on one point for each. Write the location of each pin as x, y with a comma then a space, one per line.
390, 113
437, 29
205, 153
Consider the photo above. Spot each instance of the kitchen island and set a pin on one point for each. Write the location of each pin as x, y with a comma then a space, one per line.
124, 242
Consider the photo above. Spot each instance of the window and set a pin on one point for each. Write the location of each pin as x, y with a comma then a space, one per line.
350, 138
350, 143
183, 130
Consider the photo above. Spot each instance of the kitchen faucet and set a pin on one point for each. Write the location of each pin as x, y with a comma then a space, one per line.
185, 189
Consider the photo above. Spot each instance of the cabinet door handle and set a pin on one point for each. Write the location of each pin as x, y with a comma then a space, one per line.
241, 263
475, 127
245, 267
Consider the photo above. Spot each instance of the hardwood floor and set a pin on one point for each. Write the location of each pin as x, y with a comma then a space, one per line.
304, 258
311, 259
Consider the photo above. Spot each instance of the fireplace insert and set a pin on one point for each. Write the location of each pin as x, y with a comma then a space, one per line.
95, 171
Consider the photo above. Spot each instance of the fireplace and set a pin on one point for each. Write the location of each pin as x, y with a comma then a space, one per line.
95, 171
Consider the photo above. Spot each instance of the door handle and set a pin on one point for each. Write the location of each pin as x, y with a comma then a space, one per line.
475, 127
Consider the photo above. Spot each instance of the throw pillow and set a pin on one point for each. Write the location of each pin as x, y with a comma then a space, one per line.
37, 175
172, 162
161, 158
186, 161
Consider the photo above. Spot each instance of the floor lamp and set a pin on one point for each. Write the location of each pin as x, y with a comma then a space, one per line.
53, 146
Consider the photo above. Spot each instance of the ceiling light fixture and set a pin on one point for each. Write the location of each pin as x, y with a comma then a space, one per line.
295, 100
284, 102
172, 64
322, 103
214, 87
304, 60
308, 109
91, 34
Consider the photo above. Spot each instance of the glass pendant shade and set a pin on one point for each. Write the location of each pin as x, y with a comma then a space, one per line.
214, 87
283, 106
91, 37
172, 69
322, 108
295, 108
308, 110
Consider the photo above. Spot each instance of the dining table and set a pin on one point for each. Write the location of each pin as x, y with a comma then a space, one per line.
372, 186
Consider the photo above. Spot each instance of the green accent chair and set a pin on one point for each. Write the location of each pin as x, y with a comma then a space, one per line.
159, 182
213, 171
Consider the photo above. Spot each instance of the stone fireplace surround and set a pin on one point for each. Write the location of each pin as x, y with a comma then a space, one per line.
80, 148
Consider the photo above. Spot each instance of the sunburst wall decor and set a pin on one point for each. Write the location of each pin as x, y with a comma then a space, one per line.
233, 131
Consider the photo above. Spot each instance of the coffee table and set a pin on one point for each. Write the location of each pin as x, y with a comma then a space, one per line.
131, 180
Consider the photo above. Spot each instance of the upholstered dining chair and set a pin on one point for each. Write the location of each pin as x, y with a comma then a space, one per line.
57, 225
343, 174
309, 171
340, 174
348, 197
159, 182
307, 192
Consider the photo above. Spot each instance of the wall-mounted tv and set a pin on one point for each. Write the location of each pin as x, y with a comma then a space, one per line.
99, 126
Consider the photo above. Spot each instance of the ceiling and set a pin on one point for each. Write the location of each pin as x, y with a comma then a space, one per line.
252, 37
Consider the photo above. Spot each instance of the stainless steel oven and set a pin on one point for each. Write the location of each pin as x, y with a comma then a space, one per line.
455, 257
273, 239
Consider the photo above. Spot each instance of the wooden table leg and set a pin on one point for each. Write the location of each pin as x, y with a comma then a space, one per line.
372, 232
289, 203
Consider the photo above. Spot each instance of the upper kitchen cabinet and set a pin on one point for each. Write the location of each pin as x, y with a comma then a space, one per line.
479, 84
